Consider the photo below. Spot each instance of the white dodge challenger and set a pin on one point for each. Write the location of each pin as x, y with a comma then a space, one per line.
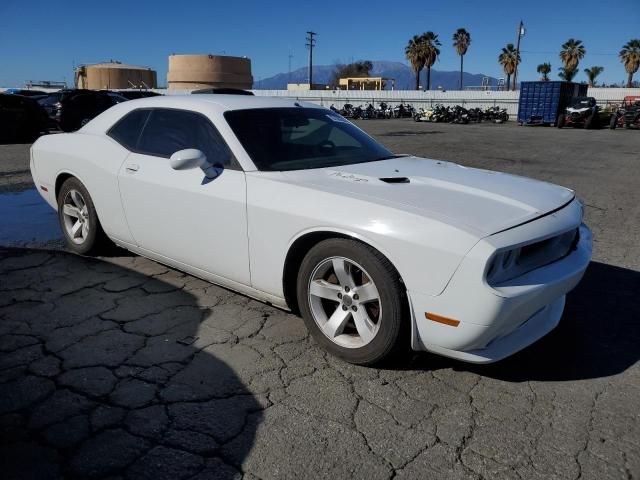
293, 205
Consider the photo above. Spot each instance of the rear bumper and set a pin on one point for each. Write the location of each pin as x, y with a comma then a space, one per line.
497, 321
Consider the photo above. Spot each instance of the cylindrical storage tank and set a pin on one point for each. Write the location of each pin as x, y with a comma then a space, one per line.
107, 76
208, 71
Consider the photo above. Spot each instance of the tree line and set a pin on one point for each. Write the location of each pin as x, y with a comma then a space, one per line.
422, 51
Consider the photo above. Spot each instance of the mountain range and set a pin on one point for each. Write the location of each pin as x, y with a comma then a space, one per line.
404, 76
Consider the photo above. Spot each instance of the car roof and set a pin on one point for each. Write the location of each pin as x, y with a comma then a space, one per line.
236, 102
213, 104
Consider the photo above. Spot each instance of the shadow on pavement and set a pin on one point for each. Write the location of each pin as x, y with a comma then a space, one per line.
106, 371
598, 336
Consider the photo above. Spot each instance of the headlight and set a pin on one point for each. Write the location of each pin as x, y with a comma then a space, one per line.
511, 263
502, 266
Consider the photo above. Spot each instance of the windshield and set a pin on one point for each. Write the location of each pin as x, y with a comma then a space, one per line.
581, 102
302, 138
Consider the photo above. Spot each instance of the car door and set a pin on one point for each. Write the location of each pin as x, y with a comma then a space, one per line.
183, 215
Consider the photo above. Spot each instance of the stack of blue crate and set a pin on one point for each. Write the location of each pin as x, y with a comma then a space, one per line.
542, 102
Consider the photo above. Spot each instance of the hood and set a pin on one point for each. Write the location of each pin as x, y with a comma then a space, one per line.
483, 201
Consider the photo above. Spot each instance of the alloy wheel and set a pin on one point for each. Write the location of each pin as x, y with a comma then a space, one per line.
345, 302
76, 217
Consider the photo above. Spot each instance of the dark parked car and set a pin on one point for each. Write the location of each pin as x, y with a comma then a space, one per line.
224, 91
71, 109
24, 92
21, 119
116, 97
135, 94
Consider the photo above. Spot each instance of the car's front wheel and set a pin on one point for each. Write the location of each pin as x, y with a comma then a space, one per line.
79, 219
353, 302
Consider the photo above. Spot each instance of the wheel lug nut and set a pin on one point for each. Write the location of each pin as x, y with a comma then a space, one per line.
354, 308
346, 289
339, 295
344, 307
355, 297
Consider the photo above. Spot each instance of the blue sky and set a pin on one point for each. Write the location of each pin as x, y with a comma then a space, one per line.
42, 40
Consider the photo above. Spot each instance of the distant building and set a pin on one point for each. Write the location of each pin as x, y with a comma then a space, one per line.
306, 86
45, 84
365, 83
209, 71
114, 75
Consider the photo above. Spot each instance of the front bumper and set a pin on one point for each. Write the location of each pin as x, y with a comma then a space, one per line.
497, 321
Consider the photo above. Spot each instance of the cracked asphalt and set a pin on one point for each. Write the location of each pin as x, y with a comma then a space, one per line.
119, 367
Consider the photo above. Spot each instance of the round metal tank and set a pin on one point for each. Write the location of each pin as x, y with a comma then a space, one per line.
115, 75
205, 71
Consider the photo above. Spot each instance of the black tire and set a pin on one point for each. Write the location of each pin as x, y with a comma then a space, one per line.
392, 338
589, 121
613, 122
561, 121
95, 239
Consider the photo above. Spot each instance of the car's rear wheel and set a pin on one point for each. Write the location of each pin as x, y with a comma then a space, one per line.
613, 122
561, 121
79, 219
353, 302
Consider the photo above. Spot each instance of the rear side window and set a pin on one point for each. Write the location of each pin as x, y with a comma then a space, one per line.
50, 100
168, 131
127, 131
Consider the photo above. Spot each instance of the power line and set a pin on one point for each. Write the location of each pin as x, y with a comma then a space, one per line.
557, 52
311, 42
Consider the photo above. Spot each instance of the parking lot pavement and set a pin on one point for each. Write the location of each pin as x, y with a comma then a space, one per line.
14, 168
119, 367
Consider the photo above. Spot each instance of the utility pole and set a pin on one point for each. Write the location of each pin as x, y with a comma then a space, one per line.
515, 71
311, 42
290, 57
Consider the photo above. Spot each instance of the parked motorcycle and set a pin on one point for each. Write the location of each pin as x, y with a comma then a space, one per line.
347, 110
496, 114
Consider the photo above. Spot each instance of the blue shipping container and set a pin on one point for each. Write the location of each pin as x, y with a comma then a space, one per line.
543, 102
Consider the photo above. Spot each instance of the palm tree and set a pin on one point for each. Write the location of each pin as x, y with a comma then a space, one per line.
461, 42
415, 55
567, 74
592, 73
630, 56
509, 58
430, 44
544, 69
572, 52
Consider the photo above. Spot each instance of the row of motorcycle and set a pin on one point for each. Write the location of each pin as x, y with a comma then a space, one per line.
436, 113
459, 114
368, 112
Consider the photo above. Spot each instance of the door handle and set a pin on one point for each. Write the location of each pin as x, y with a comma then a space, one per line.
132, 167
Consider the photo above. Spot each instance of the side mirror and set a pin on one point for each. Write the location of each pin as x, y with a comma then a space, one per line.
188, 159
